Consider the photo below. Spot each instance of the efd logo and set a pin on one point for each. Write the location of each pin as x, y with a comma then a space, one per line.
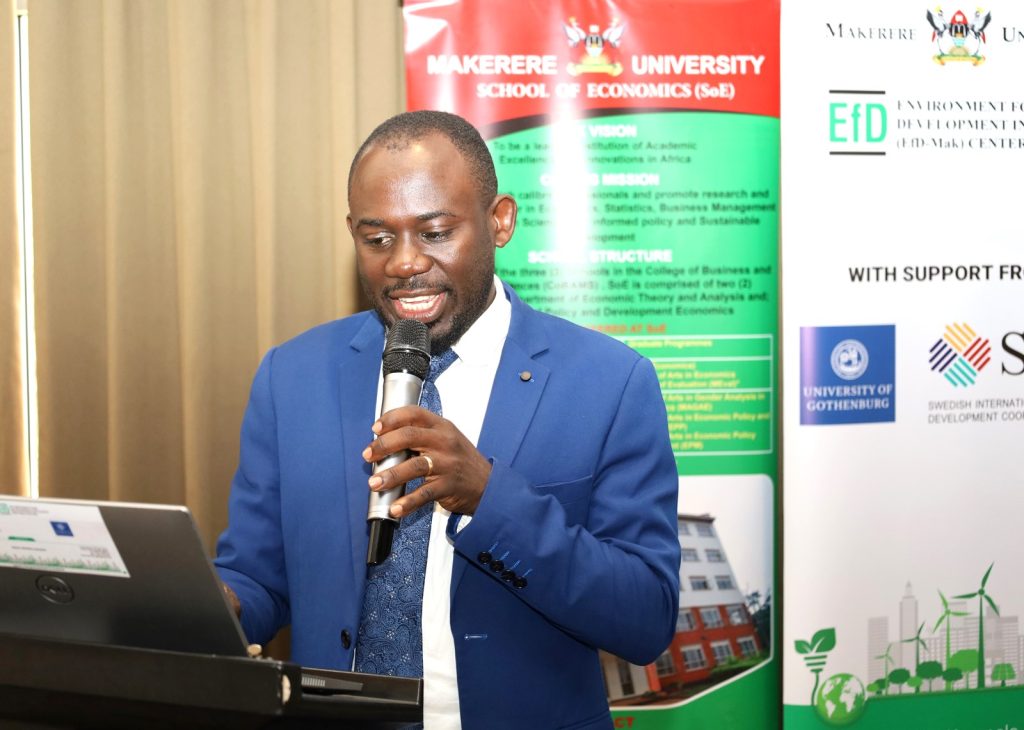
960, 355
857, 123
847, 374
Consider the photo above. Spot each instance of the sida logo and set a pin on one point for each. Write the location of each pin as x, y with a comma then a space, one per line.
960, 355
594, 59
960, 39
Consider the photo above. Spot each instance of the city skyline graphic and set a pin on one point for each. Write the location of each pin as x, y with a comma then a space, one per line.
958, 632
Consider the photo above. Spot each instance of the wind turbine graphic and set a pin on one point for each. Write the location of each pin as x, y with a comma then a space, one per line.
888, 658
982, 597
947, 612
918, 645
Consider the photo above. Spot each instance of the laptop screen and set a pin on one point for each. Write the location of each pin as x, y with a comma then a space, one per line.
111, 573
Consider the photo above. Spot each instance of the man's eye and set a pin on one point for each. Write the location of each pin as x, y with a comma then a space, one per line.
377, 241
436, 236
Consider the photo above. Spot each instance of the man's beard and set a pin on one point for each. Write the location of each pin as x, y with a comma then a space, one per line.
460, 321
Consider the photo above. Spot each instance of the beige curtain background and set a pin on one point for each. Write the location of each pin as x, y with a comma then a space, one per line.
189, 161
13, 474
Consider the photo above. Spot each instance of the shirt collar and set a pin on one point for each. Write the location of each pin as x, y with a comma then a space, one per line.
484, 340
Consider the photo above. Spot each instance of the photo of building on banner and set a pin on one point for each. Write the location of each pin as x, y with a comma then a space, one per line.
640, 140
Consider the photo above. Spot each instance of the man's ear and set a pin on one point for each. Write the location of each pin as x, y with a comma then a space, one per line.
503, 218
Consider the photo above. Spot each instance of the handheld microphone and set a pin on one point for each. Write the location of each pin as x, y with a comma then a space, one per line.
406, 364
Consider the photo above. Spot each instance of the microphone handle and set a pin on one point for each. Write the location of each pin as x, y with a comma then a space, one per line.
400, 389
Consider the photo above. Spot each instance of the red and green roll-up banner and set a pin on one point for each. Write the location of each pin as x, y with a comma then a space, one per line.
641, 141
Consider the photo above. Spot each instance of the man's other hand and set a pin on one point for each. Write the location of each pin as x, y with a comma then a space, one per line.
236, 605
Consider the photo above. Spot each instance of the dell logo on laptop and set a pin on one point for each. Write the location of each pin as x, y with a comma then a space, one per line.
54, 589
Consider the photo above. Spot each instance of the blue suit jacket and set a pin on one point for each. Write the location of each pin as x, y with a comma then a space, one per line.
581, 502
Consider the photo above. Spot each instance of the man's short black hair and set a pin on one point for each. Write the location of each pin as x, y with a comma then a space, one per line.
399, 131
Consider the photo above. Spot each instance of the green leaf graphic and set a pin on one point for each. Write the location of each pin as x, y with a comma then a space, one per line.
802, 647
824, 640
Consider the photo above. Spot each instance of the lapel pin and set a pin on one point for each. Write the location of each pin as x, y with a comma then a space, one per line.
526, 376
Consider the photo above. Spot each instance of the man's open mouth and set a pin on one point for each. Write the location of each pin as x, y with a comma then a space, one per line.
423, 307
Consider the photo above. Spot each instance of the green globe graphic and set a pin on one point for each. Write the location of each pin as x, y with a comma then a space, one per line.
841, 700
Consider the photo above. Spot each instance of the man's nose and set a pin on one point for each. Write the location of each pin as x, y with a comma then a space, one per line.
407, 259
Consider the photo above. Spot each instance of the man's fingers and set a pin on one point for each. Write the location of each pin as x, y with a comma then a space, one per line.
236, 605
413, 501
455, 473
415, 467
406, 438
405, 416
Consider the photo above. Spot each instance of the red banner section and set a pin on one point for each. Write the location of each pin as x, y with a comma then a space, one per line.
493, 61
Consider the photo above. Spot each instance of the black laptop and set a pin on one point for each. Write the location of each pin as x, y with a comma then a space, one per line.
111, 573
115, 574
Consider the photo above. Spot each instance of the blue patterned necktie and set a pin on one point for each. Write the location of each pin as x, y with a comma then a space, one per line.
390, 639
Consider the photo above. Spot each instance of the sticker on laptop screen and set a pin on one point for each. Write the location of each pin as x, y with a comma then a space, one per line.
60, 538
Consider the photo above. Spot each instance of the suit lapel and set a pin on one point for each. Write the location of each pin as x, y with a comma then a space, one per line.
359, 376
515, 394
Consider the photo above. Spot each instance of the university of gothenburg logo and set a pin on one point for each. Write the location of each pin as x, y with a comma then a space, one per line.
847, 374
849, 359
960, 39
960, 355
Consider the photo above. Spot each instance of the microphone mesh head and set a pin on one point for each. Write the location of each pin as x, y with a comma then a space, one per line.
407, 348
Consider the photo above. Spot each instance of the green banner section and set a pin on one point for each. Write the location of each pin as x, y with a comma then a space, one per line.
717, 389
995, 708
741, 703
661, 229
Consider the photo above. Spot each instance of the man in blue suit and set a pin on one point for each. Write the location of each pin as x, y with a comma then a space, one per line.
549, 481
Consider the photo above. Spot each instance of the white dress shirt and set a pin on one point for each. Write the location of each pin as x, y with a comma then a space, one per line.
465, 390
